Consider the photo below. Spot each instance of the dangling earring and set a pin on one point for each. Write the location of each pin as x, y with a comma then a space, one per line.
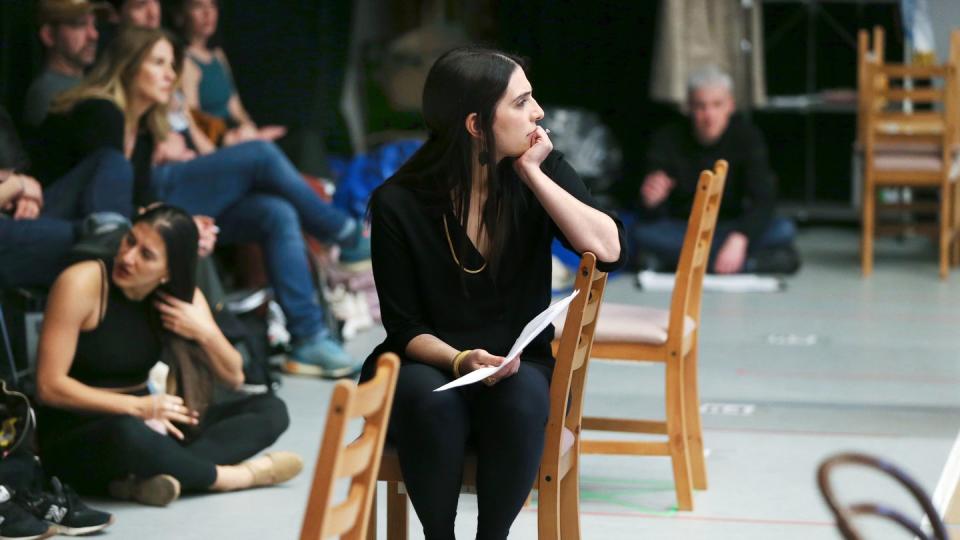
484, 157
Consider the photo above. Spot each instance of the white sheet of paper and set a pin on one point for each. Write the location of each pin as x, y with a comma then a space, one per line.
734, 283
530, 331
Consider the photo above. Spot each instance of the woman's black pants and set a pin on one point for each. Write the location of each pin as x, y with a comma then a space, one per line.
503, 424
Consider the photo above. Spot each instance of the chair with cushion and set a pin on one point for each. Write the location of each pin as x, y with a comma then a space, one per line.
636, 333
558, 482
356, 459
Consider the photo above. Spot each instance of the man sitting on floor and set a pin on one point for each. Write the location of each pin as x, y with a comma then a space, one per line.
749, 238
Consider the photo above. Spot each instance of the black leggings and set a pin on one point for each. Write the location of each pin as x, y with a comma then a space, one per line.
91, 455
504, 424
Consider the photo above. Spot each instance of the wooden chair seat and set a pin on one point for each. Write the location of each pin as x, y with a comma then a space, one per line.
914, 162
627, 323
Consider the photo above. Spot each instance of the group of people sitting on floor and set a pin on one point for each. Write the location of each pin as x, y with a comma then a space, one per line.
460, 238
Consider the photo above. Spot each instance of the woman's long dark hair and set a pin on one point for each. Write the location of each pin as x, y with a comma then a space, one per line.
189, 375
462, 82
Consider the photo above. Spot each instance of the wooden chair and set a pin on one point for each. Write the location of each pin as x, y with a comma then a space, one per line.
558, 482
636, 333
844, 513
911, 148
357, 460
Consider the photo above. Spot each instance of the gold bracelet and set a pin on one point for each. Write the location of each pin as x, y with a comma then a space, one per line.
458, 359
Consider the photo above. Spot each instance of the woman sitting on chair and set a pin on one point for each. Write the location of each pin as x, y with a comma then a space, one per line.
461, 255
104, 329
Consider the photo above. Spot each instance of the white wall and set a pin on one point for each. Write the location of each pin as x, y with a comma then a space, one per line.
944, 17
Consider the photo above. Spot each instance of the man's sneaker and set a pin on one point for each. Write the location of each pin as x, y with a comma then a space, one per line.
321, 356
159, 490
355, 249
61, 507
16, 523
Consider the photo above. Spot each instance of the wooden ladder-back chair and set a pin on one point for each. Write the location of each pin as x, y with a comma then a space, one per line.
636, 333
558, 482
911, 148
357, 460
845, 513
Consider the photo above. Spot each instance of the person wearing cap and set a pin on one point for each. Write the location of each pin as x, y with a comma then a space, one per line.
69, 34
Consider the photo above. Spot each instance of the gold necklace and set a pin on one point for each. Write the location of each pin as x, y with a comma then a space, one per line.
454, 254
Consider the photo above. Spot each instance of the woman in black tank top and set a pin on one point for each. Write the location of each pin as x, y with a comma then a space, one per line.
104, 329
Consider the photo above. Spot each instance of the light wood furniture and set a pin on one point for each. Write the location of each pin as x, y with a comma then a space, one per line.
357, 460
558, 482
636, 333
910, 137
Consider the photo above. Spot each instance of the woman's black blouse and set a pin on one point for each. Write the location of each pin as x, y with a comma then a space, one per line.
65, 139
423, 291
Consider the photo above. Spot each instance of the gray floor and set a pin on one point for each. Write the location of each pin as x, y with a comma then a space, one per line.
834, 363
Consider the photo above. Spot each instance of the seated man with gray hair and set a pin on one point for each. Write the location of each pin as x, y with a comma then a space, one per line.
749, 238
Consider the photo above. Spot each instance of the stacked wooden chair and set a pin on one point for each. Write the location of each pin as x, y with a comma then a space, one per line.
908, 130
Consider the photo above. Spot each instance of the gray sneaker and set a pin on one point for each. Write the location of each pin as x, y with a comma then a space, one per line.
321, 356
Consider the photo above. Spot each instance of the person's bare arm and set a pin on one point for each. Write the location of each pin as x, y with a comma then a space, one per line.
190, 83
235, 107
587, 228
74, 306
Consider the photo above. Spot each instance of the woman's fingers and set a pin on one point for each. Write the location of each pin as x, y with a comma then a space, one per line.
171, 429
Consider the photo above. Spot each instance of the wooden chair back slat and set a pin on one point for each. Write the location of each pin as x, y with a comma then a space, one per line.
359, 460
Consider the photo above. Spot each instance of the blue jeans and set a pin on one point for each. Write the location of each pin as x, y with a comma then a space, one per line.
102, 182
255, 194
34, 251
664, 238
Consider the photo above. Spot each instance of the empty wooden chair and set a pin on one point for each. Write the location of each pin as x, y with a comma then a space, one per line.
636, 333
844, 514
909, 137
558, 507
357, 460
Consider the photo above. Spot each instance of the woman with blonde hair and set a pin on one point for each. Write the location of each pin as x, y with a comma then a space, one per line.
251, 190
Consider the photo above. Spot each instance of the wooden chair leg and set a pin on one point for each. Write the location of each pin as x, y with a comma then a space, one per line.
570, 504
677, 436
691, 397
372, 521
548, 506
955, 211
944, 239
396, 512
867, 226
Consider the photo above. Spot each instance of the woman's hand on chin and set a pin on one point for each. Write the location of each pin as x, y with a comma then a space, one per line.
540, 148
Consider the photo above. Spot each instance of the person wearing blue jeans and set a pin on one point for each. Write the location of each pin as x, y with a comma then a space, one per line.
749, 237
663, 239
36, 238
256, 195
